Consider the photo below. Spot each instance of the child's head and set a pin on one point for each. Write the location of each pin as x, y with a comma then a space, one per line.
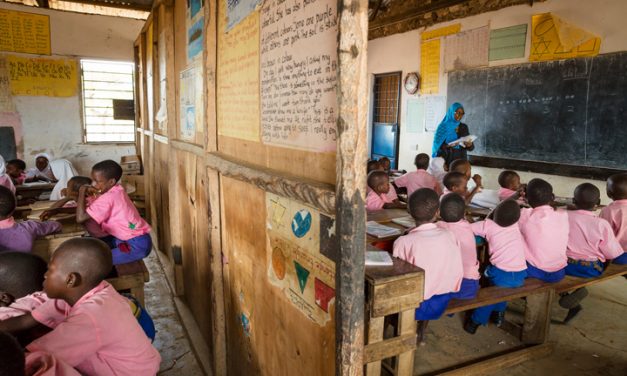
461, 165
385, 163
452, 208
20, 274
105, 175
41, 162
539, 192
12, 361
456, 182
423, 205
378, 181
73, 185
617, 186
77, 266
506, 213
7, 202
422, 161
509, 179
586, 196
374, 166
15, 167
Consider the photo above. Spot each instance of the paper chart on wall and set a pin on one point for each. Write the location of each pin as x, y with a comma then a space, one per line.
24, 32
194, 26
553, 38
441, 32
238, 10
43, 77
467, 49
191, 102
415, 118
435, 109
508, 42
6, 99
430, 66
299, 74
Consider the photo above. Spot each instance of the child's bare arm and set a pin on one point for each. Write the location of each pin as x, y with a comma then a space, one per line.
81, 208
478, 186
19, 323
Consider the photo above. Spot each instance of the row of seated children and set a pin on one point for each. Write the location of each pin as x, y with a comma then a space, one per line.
68, 318
537, 242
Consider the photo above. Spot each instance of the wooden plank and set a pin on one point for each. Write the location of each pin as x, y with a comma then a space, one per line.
386, 215
375, 328
407, 325
570, 283
537, 318
390, 347
401, 269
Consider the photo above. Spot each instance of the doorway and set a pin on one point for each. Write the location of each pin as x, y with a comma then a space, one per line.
385, 119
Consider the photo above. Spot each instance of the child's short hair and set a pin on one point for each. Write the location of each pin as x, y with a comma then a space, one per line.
79, 180
452, 207
375, 176
507, 213
453, 179
21, 273
458, 165
539, 192
617, 186
7, 202
423, 204
384, 159
90, 255
507, 177
110, 169
373, 165
12, 360
586, 196
17, 163
422, 161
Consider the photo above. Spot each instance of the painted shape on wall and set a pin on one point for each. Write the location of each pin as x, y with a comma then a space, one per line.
553, 39
324, 294
301, 223
43, 77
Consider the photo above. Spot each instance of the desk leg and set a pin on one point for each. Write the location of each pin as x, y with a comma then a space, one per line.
138, 293
406, 325
537, 318
375, 334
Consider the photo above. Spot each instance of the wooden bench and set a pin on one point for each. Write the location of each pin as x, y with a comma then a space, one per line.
570, 283
131, 277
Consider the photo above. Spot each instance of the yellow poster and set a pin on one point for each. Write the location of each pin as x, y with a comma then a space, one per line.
430, 66
238, 77
554, 39
43, 77
24, 32
441, 32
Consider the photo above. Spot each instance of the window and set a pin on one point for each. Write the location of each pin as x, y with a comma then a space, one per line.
107, 97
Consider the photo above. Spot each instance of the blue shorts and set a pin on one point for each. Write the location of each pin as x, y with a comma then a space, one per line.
621, 260
584, 269
550, 277
143, 318
499, 278
125, 251
468, 289
433, 308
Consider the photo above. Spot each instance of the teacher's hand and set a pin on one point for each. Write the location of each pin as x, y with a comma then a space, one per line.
468, 144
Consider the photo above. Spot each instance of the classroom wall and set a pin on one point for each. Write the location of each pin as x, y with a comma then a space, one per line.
54, 125
401, 52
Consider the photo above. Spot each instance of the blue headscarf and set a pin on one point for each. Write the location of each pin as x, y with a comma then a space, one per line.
446, 131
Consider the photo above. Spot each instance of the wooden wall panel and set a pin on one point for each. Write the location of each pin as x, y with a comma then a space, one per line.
160, 189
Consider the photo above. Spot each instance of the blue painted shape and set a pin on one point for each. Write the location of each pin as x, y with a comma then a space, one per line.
301, 223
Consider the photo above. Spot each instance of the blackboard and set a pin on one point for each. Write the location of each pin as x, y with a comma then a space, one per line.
571, 112
7, 143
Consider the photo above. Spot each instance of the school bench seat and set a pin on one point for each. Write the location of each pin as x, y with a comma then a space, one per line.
570, 283
131, 277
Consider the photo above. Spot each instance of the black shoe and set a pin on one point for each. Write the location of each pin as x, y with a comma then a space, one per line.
470, 326
497, 318
572, 313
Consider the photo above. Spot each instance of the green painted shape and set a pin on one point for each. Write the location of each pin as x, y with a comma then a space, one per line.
302, 274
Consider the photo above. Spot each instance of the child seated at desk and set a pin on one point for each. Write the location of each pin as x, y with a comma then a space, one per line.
545, 231
19, 236
15, 169
457, 182
42, 170
452, 210
435, 250
418, 179
591, 242
93, 328
507, 259
378, 195
112, 209
5, 179
510, 186
463, 166
616, 212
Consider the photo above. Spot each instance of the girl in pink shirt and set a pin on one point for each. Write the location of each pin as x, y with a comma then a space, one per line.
419, 178
511, 187
616, 212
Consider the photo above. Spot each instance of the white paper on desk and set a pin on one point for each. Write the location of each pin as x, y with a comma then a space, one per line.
378, 258
460, 141
407, 222
380, 231
487, 198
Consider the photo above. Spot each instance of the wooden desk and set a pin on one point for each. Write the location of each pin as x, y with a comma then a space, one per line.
392, 291
386, 215
33, 190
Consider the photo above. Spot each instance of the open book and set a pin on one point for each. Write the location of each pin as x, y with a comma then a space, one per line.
460, 141
378, 258
381, 231
407, 222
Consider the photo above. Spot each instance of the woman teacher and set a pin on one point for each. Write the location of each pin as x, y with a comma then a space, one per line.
450, 129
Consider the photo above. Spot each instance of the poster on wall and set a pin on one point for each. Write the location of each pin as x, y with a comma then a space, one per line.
43, 77
24, 32
296, 263
237, 10
553, 39
299, 74
195, 26
467, 49
191, 102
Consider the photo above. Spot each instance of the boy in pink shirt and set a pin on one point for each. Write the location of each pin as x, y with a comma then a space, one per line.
15, 170
5, 179
433, 249
507, 259
129, 234
616, 212
510, 186
93, 327
377, 197
545, 231
418, 179
452, 209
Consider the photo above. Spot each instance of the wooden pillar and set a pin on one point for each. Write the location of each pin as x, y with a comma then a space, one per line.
351, 185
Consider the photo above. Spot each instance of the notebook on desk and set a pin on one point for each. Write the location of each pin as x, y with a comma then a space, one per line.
380, 231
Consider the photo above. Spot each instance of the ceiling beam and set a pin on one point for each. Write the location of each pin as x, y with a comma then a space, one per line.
113, 4
413, 13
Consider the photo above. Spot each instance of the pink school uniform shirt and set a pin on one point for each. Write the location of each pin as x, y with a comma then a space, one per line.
505, 193
437, 251
616, 214
20, 236
506, 245
98, 335
23, 305
545, 232
6, 181
41, 363
466, 238
375, 201
591, 238
115, 213
417, 179
90, 225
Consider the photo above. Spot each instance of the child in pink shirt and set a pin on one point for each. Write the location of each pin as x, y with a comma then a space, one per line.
5, 179
129, 234
507, 259
510, 186
377, 198
419, 178
93, 328
616, 212
545, 231
15, 169
452, 209
433, 249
